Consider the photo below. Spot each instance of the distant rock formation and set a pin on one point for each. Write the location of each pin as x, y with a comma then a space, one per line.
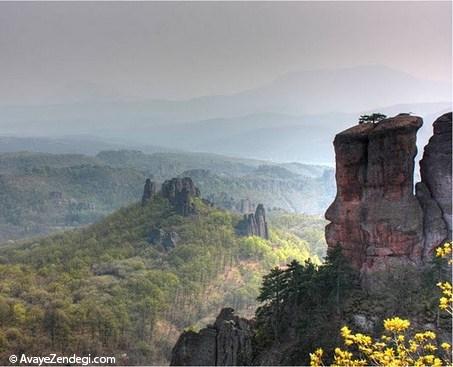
159, 237
180, 191
254, 224
149, 191
261, 223
226, 343
435, 190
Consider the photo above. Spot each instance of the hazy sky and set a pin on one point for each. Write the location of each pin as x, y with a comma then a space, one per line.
182, 50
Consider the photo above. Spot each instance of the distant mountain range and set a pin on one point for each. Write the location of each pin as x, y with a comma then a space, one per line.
293, 118
264, 136
71, 144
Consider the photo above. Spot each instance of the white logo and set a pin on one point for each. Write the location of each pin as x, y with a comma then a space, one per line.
13, 358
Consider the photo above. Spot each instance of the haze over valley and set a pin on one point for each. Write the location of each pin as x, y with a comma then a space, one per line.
264, 123
226, 183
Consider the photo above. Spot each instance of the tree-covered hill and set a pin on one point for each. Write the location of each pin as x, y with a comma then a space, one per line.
113, 289
40, 200
275, 186
42, 193
28, 162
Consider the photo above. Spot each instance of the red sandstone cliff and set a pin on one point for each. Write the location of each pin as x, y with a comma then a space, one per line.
376, 218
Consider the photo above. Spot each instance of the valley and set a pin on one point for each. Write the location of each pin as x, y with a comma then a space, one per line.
226, 183
41, 193
127, 285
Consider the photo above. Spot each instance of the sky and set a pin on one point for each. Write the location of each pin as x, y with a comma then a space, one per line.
56, 51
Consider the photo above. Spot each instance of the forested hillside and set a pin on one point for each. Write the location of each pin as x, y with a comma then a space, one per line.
112, 289
43, 193
305, 306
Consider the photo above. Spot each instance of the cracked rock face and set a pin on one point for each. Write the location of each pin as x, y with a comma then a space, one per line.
226, 343
149, 191
375, 217
435, 190
168, 240
435, 230
254, 224
195, 349
180, 191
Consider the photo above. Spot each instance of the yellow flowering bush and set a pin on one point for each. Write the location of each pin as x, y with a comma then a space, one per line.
445, 251
396, 324
395, 347
446, 301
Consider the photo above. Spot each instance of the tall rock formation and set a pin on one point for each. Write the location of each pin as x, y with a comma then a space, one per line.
254, 224
261, 223
375, 217
435, 190
149, 191
180, 191
226, 343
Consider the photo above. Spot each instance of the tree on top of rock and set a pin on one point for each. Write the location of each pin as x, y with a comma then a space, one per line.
373, 118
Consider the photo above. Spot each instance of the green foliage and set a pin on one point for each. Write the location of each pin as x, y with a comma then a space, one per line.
45, 193
38, 199
303, 297
308, 303
309, 228
276, 187
107, 290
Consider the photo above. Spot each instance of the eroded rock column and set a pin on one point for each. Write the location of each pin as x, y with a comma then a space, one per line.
375, 217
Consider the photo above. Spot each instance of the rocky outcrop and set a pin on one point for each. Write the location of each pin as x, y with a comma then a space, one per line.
160, 237
149, 191
180, 192
195, 349
254, 224
435, 229
435, 190
375, 217
261, 224
226, 343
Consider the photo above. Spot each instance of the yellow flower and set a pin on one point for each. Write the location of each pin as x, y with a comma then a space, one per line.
444, 250
316, 358
397, 349
430, 347
396, 324
429, 359
345, 332
437, 362
413, 346
446, 287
